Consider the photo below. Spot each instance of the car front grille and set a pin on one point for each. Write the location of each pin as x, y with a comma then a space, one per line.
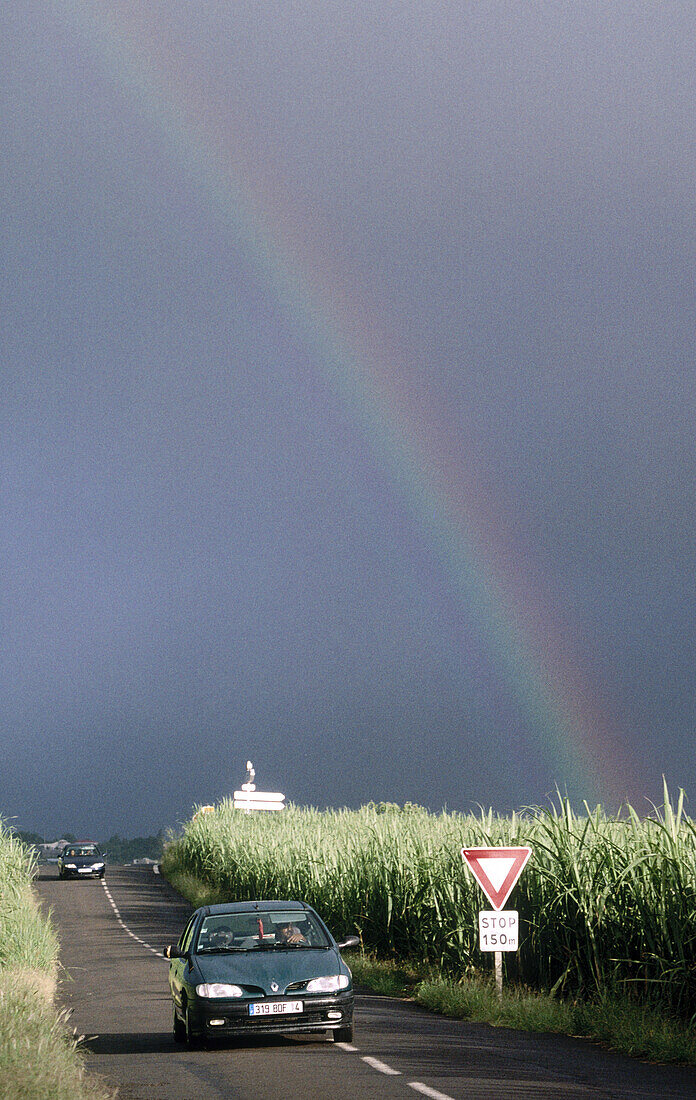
276, 1023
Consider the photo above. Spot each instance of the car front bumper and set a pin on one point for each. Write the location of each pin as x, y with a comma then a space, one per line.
318, 1014
72, 872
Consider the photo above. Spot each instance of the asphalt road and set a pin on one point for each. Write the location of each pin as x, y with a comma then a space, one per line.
115, 986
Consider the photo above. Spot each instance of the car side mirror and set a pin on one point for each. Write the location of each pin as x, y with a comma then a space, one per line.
173, 952
349, 941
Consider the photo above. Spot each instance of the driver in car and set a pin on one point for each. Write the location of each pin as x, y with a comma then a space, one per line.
290, 933
222, 936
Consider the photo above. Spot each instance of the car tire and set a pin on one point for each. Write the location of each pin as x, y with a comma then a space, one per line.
343, 1034
179, 1029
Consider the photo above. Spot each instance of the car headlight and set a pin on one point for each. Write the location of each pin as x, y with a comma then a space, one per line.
97, 866
218, 989
70, 866
331, 984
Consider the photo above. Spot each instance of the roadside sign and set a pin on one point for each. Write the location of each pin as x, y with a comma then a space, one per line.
203, 810
496, 870
499, 931
251, 799
258, 800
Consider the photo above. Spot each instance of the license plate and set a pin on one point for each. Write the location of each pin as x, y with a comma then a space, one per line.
84, 870
275, 1008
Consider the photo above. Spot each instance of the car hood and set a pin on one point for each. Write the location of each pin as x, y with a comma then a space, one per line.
261, 968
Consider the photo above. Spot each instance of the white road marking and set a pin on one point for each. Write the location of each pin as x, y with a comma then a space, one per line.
381, 1067
425, 1090
125, 927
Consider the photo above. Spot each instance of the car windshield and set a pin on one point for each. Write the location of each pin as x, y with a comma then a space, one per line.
260, 930
81, 850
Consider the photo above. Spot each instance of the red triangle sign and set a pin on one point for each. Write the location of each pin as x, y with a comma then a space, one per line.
496, 870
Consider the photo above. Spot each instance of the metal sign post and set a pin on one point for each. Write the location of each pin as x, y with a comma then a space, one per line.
248, 798
498, 932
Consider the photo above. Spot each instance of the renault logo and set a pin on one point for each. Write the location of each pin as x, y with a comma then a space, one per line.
274, 987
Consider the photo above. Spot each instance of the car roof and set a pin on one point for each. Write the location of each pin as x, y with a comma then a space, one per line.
252, 906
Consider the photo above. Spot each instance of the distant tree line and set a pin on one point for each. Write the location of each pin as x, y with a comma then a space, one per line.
29, 838
121, 850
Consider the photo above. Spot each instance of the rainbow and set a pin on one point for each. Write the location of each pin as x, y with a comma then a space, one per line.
429, 463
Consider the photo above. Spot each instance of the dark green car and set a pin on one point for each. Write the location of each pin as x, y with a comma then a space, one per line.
81, 860
259, 967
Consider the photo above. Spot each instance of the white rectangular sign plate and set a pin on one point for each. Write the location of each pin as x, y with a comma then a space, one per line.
259, 796
257, 804
499, 930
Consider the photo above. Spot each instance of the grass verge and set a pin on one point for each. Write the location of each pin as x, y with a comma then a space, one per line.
195, 891
39, 1057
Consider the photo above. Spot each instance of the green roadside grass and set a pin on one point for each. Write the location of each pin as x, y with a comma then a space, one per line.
633, 1029
39, 1055
39, 1059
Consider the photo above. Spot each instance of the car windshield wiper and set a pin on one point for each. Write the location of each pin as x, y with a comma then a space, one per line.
305, 946
221, 950
281, 946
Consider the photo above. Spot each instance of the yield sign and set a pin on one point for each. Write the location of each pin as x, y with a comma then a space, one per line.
496, 870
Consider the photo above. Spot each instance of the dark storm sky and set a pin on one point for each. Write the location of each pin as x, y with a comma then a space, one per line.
207, 555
